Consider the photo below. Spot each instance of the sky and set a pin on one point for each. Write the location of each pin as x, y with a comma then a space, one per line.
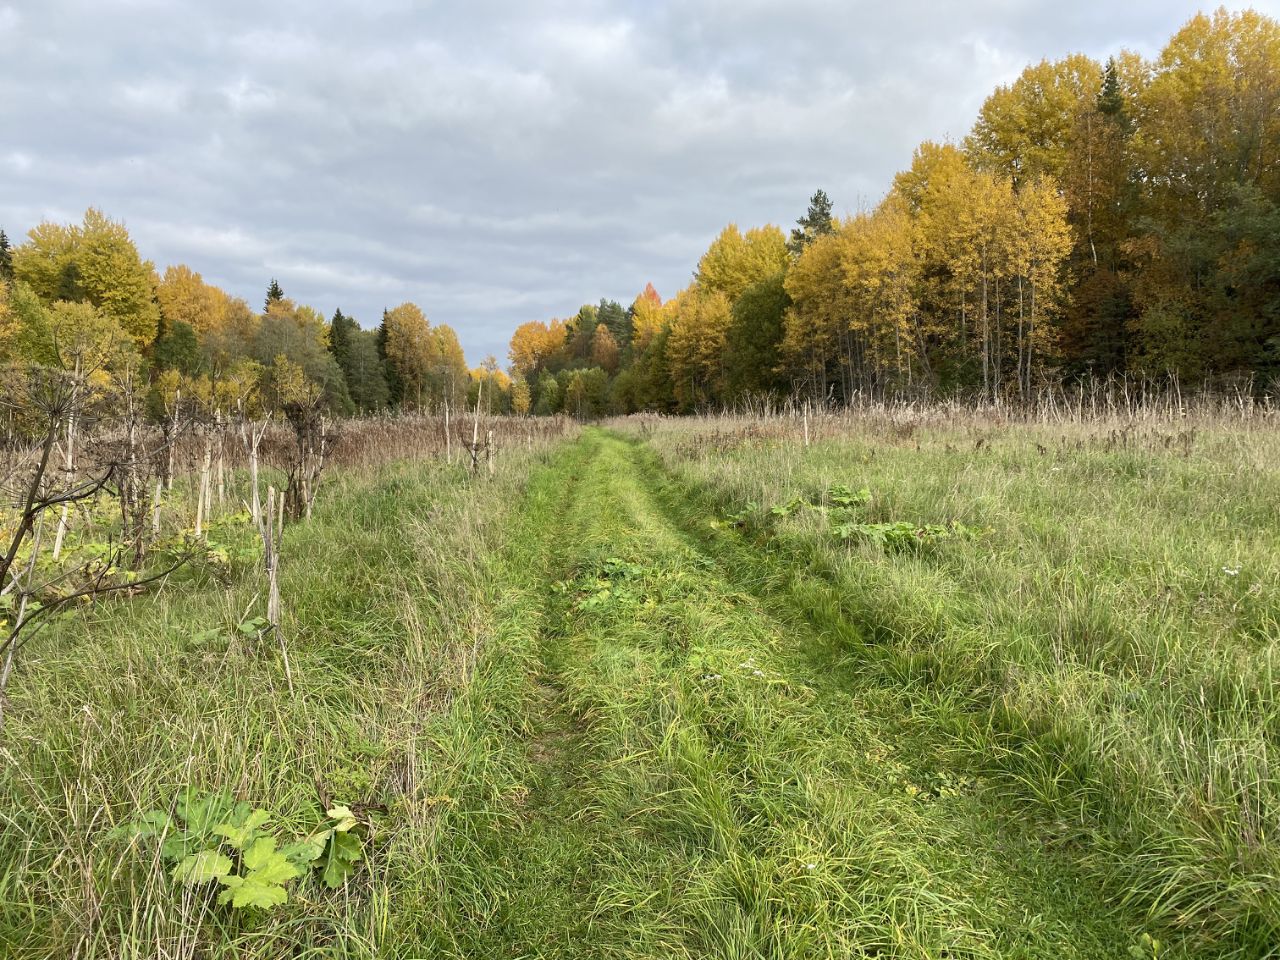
493, 161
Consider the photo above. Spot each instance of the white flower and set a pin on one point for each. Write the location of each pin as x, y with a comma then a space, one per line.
1231, 571
810, 866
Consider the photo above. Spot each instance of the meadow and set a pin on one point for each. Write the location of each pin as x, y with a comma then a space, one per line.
902, 681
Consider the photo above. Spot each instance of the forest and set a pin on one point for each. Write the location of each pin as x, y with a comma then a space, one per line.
1101, 220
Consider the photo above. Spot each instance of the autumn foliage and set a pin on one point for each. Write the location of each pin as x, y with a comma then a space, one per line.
1100, 219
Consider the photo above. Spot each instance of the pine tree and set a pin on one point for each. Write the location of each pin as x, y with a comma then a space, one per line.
817, 222
274, 294
6, 258
341, 329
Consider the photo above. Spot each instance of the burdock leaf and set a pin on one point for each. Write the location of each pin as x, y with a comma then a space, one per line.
252, 891
202, 867
340, 858
242, 826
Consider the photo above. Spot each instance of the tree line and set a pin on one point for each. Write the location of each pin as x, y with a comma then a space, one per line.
1099, 219
1118, 218
80, 298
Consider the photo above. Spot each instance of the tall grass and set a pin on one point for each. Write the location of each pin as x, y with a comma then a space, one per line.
391, 594
1113, 637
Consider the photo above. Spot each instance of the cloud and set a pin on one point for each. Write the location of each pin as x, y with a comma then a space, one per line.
496, 161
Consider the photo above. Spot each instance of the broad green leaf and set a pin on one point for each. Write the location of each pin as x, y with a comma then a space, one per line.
180, 844
240, 830
264, 861
262, 884
202, 867
306, 852
201, 812
342, 853
252, 891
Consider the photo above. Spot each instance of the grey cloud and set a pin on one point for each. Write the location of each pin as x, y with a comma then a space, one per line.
493, 161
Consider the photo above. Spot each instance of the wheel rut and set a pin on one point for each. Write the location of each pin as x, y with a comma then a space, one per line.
708, 778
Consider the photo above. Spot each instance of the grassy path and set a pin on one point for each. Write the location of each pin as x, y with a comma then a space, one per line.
705, 775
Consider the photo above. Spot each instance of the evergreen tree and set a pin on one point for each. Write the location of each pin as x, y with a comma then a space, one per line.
6, 258
274, 294
341, 330
617, 318
817, 222
366, 372
357, 354
1110, 99
395, 386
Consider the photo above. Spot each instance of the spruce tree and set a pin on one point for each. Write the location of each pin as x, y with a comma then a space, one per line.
816, 222
274, 294
366, 372
6, 258
341, 330
1110, 100
395, 387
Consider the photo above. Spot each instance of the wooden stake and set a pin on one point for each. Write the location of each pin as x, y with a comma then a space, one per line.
475, 432
70, 460
202, 488
271, 561
155, 508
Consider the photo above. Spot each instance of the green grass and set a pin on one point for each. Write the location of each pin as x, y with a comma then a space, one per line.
604, 725
1106, 652
393, 595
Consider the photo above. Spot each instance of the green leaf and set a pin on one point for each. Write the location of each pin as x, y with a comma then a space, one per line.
844, 496
242, 827
269, 864
266, 872
343, 818
202, 867
340, 857
202, 812
305, 853
252, 891
179, 845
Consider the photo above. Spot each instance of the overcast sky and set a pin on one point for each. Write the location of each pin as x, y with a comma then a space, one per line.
494, 161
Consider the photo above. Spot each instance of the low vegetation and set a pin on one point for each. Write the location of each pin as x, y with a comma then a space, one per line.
929, 684
1101, 641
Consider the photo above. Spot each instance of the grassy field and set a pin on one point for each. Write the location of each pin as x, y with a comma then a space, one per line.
684, 689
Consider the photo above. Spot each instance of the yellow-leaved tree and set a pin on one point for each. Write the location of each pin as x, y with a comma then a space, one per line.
534, 343
94, 262
1025, 130
815, 323
410, 350
736, 261
184, 297
647, 318
696, 347
1208, 118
